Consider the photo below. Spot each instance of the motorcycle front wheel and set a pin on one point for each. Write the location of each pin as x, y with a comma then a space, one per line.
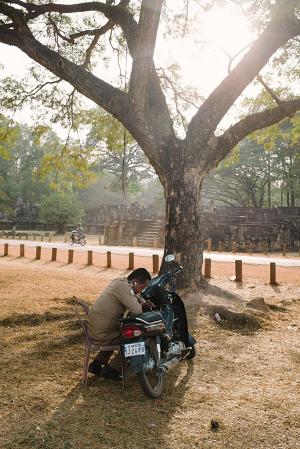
151, 380
82, 241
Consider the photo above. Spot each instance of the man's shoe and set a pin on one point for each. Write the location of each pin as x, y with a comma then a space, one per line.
96, 368
110, 373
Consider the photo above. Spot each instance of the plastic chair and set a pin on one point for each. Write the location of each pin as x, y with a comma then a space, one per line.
91, 344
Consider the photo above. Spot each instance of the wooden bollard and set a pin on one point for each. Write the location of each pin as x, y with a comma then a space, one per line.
70, 255
50, 238
131, 261
5, 249
208, 245
22, 250
238, 271
26, 237
250, 248
207, 268
38, 251
100, 240
34, 236
273, 273
284, 249
220, 246
90, 258
53, 254
155, 263
42, 237
233, 247
108, 259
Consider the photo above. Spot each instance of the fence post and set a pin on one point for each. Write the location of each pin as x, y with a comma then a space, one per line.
284, 249
38, 251
90, 258
108, 257
50, 238
238, 271
233, 247
207, 268
273, 273
220, 246
70, 255
250, 248
155, 263
208, 245
100, 240
131, 261
26, 237
5, 249
54, 255
22, 250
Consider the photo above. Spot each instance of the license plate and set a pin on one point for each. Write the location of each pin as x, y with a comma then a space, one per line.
133, 349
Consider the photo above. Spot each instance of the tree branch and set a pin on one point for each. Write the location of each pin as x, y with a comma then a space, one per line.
269, 90
244, 127
277, 33
142, 64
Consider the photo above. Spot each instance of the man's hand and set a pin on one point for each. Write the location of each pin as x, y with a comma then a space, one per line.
147, 305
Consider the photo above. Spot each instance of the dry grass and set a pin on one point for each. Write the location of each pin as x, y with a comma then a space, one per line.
247, 382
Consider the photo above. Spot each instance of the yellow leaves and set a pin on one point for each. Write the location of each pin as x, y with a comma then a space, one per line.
68, 167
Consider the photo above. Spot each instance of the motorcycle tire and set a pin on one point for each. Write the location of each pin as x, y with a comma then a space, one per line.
82, 242
151, 382
192, 353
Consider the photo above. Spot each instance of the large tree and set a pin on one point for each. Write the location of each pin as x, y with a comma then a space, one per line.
181, 163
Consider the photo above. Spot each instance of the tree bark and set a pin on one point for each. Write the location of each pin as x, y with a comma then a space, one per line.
184, 227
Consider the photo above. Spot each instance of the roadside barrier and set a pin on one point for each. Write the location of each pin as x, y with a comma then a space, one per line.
131, 261
207, 268
90, 258
108, 259
155, 261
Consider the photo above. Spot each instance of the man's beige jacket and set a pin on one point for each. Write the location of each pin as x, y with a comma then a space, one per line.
104, 315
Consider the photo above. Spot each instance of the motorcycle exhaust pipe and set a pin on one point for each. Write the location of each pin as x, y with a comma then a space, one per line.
165, 366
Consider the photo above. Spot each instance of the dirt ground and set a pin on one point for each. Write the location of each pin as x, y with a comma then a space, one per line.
243, 380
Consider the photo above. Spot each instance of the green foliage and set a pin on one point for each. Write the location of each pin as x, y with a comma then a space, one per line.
263, 171
60, 208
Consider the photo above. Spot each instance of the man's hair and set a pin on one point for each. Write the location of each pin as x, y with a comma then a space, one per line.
140, 274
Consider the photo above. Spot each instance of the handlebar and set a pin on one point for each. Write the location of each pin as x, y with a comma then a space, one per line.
159, 281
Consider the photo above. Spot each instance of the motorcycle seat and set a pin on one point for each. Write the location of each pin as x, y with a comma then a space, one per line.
144, 318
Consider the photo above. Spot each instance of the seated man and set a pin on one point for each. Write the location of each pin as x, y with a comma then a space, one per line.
104, 316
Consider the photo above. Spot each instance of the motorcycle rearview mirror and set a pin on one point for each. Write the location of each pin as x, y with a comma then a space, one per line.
169, 258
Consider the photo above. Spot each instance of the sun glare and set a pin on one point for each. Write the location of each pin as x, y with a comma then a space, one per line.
204, 60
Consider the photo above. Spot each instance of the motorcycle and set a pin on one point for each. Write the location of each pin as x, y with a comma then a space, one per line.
77, 237
157, 339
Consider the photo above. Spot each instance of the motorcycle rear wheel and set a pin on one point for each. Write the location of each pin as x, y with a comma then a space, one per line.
151, 381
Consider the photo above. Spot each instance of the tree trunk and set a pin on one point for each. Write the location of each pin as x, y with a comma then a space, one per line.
184, 228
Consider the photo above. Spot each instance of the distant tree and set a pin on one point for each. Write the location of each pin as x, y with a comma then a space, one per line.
113, 150
60, 208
